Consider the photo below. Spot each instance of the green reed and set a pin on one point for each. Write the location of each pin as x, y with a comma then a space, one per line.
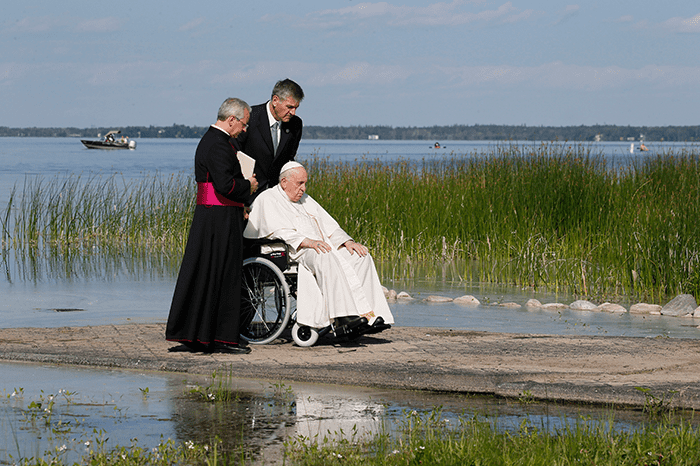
75, 215
540, 215
430, 439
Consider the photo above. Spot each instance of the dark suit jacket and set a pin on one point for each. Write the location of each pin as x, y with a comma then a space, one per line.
257, 143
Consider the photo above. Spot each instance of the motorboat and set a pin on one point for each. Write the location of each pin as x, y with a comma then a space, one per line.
110, 142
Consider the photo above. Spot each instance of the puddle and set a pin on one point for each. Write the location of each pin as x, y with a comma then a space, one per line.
125, 407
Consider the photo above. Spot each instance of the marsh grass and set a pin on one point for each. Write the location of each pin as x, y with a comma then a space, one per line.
93, 226
429, 439
552, 216
547, 215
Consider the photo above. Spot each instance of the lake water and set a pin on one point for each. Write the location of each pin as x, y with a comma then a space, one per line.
119, 290
116, 290
128, 407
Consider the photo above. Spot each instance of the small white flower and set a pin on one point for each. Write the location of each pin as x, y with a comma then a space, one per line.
189, 444
62, 448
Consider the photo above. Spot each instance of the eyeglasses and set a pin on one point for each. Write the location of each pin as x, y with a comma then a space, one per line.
245, 125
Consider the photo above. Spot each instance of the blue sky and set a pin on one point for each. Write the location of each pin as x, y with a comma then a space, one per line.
398, 63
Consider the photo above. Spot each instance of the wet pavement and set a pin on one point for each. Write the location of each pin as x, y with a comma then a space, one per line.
590, 369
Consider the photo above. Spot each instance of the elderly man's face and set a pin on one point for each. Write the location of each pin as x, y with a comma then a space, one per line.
284, 110
294, 185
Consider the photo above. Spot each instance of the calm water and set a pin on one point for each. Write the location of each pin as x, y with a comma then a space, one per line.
117, 290
145, 409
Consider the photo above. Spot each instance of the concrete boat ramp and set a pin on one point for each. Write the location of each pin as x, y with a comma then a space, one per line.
586, 369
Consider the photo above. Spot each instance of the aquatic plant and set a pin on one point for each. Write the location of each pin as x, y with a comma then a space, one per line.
427, 439
552, 216
547, 215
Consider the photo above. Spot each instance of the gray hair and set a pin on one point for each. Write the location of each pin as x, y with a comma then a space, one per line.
288, 88
232, 107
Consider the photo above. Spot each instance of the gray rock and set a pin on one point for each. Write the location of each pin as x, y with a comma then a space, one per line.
533, 303
403, 295
582, 305
554, 306
467, 300
612, 308
391, 295
438, 299
696, 313
644, 308
510, 305
679, 306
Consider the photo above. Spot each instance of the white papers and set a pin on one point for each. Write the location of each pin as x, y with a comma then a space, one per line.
247, 164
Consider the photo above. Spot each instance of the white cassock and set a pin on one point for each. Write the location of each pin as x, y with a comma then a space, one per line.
329, 285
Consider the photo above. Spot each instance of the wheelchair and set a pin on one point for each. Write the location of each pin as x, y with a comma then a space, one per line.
268, 298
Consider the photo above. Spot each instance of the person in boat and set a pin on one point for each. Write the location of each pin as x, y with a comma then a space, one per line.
274, 133
337, 278
205, 310
642, 147
437, 145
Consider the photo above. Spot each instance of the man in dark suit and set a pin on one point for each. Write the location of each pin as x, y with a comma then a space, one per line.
274, 119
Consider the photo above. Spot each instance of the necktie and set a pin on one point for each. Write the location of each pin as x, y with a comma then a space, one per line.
274, 136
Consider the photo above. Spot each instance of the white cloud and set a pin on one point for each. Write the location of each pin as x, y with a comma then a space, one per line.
568, 12
358, 73
683, 25
436, 14
572, 77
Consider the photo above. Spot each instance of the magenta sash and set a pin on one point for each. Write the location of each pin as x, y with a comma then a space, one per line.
207, 195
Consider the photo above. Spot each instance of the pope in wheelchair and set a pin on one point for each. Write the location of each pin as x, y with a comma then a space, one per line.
336, 286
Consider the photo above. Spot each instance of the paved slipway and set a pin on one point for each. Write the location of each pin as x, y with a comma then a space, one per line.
600, 370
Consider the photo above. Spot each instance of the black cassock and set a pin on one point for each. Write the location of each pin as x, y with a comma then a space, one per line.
206, 302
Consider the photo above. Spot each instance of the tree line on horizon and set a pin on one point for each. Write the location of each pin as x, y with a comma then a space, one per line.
429, 133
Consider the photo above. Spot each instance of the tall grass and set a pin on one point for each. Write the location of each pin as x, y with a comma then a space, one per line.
66, 219
547, 215
477, 440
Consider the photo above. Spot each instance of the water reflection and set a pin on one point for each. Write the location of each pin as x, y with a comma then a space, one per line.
124, 407
80, 264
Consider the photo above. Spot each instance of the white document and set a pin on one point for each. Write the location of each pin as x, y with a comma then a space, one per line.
247, 164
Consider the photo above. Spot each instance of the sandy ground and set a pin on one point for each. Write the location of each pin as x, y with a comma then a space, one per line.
601, 370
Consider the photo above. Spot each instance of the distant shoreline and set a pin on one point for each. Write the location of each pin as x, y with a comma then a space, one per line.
603, 133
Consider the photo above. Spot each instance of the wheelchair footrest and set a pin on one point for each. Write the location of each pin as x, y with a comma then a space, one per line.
348, 325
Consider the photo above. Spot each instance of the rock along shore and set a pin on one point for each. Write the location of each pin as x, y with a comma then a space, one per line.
600, 370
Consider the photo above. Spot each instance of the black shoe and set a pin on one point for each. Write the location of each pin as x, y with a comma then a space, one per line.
189, 347
229, 349
344, 325
377, 326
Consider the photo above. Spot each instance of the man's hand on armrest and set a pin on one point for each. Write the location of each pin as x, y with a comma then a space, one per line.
352, 246
317, 245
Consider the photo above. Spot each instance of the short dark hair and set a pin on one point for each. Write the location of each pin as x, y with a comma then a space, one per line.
288, 88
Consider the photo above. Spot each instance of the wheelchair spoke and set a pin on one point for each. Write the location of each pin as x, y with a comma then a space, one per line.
264, 296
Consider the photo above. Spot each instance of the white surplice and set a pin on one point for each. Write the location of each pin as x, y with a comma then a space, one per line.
329, 285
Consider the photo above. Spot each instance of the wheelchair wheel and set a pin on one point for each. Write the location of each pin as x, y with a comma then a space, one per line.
303, 335
265, 301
